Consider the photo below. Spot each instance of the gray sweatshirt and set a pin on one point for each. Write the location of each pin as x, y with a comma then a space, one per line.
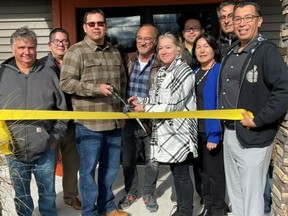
37, 90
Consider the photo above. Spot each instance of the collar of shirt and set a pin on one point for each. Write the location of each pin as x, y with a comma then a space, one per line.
251, 44
93, 45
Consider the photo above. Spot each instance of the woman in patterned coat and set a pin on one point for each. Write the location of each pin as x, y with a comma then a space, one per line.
173, 140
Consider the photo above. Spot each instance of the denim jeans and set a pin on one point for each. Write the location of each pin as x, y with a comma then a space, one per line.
44, 173
102, 148
134, 141
184, 187
267, 195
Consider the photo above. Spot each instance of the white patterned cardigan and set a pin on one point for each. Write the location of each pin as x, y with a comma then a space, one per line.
172, 90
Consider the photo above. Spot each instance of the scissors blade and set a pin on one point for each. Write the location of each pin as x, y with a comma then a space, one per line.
127, 105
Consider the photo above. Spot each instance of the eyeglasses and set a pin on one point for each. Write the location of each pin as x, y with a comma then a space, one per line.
247, 18
193, 28
223, 18
57, 42
146, 39
93, 24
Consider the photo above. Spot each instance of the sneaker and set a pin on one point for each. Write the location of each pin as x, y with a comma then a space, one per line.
73, 203
127, 201
227, 210
150, 202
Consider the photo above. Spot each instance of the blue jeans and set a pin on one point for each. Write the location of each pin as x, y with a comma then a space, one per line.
267, 195
135, 140
44, 173
102, 148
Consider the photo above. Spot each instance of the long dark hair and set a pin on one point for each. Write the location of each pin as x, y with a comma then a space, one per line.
212, 43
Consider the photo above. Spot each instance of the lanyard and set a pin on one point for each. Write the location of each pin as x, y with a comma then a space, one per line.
204, 75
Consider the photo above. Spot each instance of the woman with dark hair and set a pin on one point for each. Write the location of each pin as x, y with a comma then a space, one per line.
210, 145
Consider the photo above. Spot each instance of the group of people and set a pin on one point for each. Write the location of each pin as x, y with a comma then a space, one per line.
240, 70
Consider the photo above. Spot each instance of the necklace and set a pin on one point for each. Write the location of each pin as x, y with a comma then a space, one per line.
204, 75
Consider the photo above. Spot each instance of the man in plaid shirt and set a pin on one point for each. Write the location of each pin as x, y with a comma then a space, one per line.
89, 70
141, 67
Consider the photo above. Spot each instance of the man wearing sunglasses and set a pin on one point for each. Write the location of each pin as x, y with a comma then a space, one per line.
59, 44
86, 69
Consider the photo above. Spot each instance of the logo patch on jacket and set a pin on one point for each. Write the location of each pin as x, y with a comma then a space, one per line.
252, 75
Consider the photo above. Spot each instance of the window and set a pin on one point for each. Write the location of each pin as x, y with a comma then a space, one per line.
124, 22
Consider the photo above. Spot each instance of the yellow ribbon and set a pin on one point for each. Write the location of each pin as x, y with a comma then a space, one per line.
228, 114
5, 136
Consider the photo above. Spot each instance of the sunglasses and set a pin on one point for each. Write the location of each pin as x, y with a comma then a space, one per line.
93, 24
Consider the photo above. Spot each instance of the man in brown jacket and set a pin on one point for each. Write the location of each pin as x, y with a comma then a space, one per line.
141, 67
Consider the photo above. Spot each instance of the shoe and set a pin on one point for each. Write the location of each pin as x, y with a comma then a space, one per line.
116, 212
227, 210
73, 203
150, 202
205, 212
127, 201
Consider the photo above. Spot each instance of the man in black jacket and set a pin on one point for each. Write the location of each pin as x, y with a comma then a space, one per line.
253, 77
227, 37
58, 44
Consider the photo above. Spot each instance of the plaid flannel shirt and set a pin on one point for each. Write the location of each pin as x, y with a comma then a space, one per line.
85, 67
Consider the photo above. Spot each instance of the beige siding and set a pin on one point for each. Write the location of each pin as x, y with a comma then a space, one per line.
36, 14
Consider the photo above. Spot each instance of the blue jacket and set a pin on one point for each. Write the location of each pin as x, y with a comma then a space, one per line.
212, 126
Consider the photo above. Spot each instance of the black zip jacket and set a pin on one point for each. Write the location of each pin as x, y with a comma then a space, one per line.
264, 92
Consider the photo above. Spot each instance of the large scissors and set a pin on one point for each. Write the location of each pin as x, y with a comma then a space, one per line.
127, 107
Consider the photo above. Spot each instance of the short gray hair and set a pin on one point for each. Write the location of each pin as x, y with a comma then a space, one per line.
23, 33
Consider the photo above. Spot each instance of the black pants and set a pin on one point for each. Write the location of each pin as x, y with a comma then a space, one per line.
135, 140
213, 176
184, 187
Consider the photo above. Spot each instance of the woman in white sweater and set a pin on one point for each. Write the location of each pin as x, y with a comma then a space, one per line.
173, 140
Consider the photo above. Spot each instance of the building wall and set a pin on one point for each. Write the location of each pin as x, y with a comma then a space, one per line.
36, 14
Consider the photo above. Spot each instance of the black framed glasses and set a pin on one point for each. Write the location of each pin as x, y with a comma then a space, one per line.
93, 24
193, 28
247, 18
223, 18
56, 42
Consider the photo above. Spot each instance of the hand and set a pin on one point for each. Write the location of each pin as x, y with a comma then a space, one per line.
105, 89
210, 146
133, 100
139, 108
247, 120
